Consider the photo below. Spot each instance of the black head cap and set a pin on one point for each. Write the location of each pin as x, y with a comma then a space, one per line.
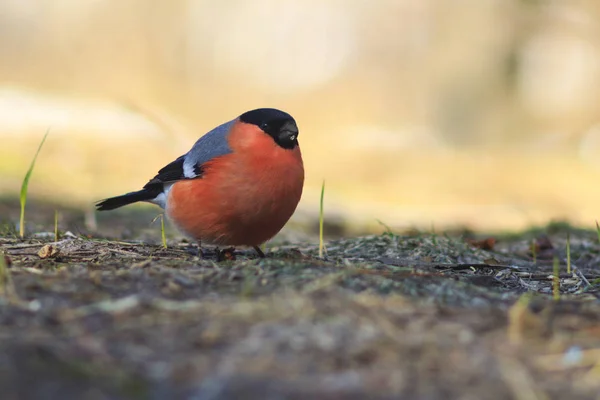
275, 123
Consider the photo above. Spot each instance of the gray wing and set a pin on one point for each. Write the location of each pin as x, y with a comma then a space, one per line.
209, 146
189, 166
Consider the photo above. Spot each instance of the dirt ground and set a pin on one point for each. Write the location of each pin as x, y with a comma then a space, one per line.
416, 315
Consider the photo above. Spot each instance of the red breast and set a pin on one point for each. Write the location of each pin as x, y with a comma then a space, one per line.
243, 198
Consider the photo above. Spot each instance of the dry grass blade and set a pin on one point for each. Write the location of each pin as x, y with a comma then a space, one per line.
453, 266
520, 319
557, 362
7, 288
556, 280
579, 274
56, 238
25, 185
519, 380
593, 375
111, 306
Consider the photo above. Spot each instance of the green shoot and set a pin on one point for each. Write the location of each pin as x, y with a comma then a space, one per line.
433, 235
321, 242
24, 186
386, 228
56, 225
568, 253
598, 230
163, 236
533, 251
556, 280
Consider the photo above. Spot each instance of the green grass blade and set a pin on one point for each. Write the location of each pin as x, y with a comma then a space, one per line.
386, 228
163, 236
25, 185
568, 253
56, 225
598, 231
162, 231
321, 243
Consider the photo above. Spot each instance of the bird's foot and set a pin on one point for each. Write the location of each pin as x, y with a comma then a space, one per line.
260, 253
227, 254
194, 251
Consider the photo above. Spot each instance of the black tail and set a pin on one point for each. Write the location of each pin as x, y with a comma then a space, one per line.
128, 198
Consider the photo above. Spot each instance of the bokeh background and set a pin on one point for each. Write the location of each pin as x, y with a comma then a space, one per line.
472, 113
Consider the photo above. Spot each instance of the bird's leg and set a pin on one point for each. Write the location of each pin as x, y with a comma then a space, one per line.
259, 251
200, 254
191, 249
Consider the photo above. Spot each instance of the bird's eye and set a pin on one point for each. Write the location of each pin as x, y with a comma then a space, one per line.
264, 126
292, 138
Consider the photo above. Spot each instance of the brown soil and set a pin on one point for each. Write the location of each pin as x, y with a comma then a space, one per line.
413, 316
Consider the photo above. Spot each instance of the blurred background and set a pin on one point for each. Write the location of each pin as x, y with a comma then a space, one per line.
417, 113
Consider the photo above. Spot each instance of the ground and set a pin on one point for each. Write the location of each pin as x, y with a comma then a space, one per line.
415, 315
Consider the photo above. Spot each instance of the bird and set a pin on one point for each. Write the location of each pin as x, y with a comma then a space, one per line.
238, 185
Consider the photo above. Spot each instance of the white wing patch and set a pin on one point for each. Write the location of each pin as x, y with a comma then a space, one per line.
188, 170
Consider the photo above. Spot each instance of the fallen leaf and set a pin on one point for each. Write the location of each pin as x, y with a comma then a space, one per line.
48, 251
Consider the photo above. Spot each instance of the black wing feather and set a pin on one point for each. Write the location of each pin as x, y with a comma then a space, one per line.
169, 173
173, 172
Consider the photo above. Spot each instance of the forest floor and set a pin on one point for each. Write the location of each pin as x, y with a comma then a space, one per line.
415, 315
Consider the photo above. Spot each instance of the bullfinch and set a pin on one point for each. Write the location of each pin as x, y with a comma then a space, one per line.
237, 186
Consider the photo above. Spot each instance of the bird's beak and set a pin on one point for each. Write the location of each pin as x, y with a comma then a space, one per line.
289, 131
